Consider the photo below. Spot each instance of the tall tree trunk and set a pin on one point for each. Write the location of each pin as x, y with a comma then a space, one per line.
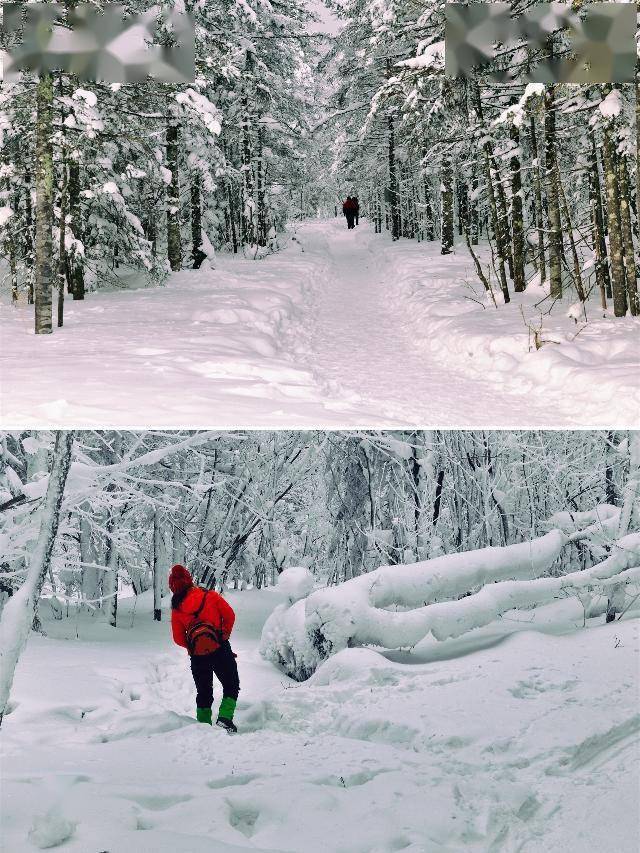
609, 171
577, 274
111, 575
76, 261
446, 205
261, 190
174, 240
630, 271
517, 224
393, 180
553, 202
159, 563
44, 206
19, 612
537, 192
597, 226
62, 248
494, 213
249, 231
473, 207
197, 255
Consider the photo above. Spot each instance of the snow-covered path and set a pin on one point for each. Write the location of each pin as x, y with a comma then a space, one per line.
381, 333
340, 329
360, 345
508, 740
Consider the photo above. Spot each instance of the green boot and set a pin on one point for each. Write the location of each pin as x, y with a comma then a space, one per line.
203, 715
225, 714
227, 708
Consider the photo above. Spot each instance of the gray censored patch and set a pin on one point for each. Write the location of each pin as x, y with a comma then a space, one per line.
98, 45
600, 41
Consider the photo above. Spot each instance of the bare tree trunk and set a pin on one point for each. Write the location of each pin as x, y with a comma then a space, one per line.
597, 226
446, 208
574, 253
111, 575
159, 563
19, 612
44, 206
609, 170
553, 204
537, 188
62, 249
197, 255
174, 240
517, 224
393, 181
627, 236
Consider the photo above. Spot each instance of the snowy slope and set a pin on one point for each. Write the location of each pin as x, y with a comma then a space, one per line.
507, 739
341, 329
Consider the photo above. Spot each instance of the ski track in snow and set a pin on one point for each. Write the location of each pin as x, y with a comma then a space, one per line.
524, 745
341, 329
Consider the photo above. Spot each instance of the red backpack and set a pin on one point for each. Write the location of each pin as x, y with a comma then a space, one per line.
202, 636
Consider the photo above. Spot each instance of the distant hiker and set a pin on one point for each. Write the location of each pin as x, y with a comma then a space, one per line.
349, 210
201, 622
356, 203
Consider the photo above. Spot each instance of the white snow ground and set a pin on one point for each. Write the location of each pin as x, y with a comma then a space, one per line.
341, 329
507, 739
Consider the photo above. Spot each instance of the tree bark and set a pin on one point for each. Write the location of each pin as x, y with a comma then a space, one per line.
618, 284
174, 240
630, 271
393, 180
517, 224
597, 226
553, 202
44, 206
537, 189
446, 194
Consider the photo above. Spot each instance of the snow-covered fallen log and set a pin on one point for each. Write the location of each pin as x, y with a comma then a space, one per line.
355, 613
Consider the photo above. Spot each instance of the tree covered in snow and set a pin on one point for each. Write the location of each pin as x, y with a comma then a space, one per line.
241, 508
100, 182
543, 173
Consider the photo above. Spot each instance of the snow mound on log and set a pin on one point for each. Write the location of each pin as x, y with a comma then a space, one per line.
296, 583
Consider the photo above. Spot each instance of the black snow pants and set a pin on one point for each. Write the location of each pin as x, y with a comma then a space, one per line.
223, 664
350, 217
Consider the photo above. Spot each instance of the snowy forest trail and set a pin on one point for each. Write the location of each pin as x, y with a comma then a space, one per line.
114, 760
339, 329
360, 345
365, 345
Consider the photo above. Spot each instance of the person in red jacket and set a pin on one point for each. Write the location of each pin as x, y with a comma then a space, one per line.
201, 622
349, 210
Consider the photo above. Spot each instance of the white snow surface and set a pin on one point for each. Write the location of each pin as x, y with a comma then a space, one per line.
340, 329
522, 737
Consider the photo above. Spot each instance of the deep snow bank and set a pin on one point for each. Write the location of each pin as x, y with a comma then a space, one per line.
593, 368
209, 346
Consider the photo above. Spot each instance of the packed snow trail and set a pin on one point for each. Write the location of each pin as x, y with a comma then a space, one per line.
339, 329
509, 739
365, 346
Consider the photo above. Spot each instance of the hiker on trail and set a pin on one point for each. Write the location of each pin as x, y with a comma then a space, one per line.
349, 210
356, 204
201, 622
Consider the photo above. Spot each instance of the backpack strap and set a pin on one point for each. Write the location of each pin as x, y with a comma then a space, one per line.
197, 612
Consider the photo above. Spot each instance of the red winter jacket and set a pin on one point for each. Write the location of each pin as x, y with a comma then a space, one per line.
215, 610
